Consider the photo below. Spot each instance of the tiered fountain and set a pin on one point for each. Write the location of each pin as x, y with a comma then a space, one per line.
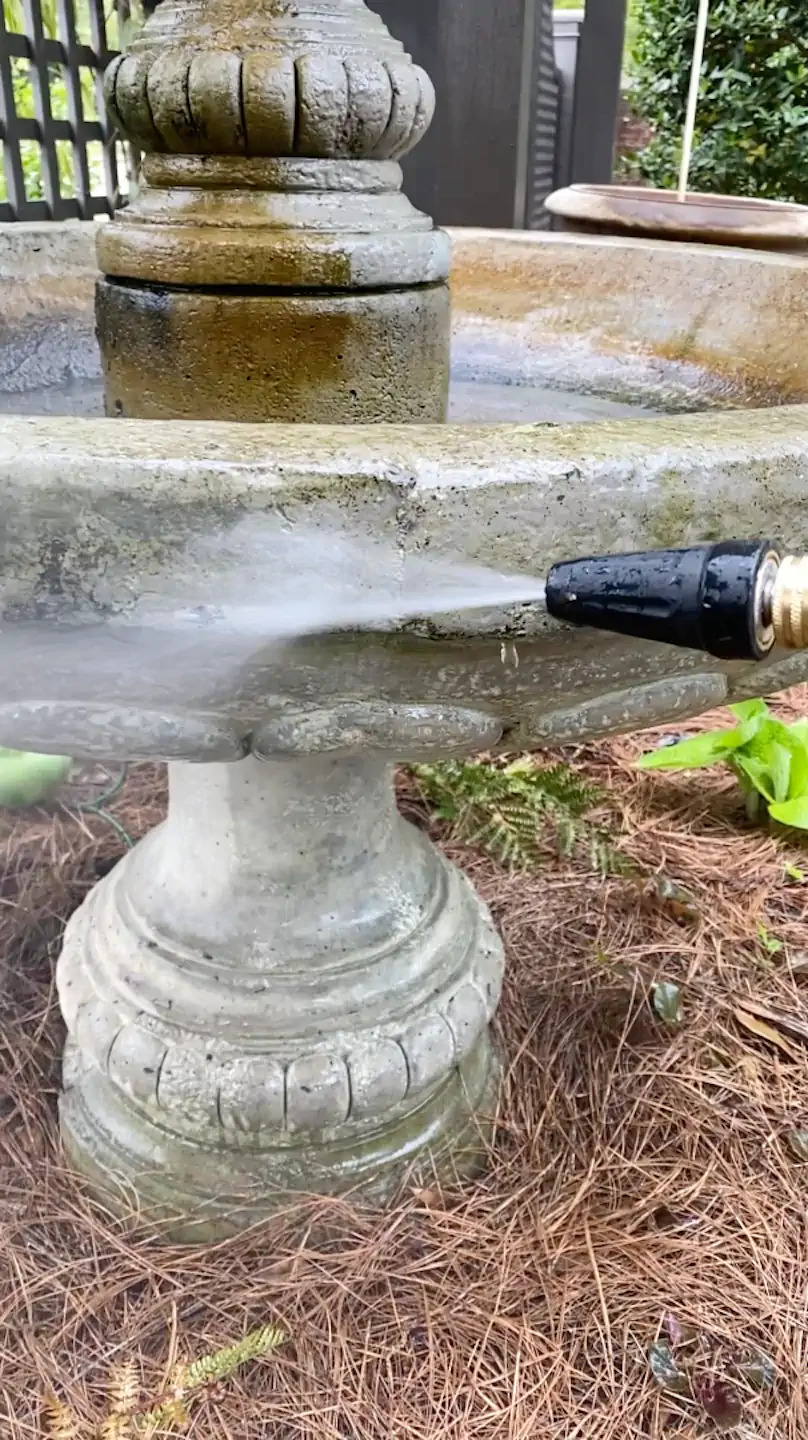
285, 986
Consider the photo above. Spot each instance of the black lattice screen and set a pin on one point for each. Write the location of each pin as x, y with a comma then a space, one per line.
61, 158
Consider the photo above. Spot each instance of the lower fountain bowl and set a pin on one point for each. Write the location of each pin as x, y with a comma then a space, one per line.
662, 215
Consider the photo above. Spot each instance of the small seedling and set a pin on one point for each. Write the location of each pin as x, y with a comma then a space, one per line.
707, 1376
769, 758
768, 943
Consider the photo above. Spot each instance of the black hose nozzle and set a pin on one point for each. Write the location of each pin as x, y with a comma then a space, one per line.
713, 598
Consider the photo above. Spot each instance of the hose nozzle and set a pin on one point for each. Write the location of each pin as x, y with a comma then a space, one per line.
735, 600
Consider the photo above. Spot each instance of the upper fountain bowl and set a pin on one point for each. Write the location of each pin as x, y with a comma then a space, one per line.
606, 395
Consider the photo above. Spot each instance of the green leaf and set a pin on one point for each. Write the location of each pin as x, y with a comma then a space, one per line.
780, 766
665, 1370
694, 754
769, 942
27, 779
798, 779
791, 812
667, 1000
749, 709
757, 773
799, 730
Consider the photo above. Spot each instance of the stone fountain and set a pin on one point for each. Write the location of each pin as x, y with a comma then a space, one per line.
285, 986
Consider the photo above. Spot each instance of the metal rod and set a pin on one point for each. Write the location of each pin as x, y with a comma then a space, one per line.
693, 97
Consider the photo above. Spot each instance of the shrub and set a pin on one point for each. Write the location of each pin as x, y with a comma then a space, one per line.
752, 123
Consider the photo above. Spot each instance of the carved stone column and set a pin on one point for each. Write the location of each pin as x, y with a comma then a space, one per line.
270, 267
284, 987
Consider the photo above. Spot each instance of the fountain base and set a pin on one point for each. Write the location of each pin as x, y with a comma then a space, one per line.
197, 1193
285, 988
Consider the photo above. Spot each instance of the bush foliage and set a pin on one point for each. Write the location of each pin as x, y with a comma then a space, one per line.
752, 124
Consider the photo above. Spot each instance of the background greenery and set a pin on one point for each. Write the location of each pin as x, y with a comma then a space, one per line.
752, 123
122, 18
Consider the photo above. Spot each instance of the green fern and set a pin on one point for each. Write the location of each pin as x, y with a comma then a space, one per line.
212, 1368
129, 1419
508, 810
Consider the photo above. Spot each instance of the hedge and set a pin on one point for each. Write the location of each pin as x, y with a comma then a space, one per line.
752, 124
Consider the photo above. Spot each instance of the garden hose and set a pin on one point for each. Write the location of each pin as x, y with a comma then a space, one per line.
736, 599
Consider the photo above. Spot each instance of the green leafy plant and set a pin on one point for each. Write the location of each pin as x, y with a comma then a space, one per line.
769, 758
711, 1378
752, 122
507, 810
27, 779
129, 1417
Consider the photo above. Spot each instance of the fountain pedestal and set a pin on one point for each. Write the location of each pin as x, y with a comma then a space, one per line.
285, 986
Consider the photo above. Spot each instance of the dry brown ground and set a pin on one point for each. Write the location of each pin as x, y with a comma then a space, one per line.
638, 1170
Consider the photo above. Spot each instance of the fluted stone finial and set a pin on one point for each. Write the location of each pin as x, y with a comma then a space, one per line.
320, 81
271, 134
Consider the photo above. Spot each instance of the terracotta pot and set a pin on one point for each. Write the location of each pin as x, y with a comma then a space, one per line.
659, 214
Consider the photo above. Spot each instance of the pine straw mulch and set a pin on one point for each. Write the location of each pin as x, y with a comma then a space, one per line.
638, 1170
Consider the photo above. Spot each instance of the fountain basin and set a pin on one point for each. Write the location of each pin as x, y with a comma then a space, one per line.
545, 327
661, 214
106, 520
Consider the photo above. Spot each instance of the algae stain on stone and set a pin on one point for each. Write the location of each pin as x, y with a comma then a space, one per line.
672, 513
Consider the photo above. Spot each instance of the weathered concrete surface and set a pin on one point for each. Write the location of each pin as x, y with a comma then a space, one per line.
272, 135
678, 326
47, 332
107, 523
236, 352
283, 987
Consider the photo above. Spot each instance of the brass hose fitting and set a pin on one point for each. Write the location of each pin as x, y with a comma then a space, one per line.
785, 602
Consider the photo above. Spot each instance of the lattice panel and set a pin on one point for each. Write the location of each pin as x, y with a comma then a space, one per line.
61, 157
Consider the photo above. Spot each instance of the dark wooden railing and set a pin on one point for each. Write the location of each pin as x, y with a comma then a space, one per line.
61, 158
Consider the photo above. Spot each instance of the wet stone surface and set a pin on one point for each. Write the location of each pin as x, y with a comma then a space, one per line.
470, 403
